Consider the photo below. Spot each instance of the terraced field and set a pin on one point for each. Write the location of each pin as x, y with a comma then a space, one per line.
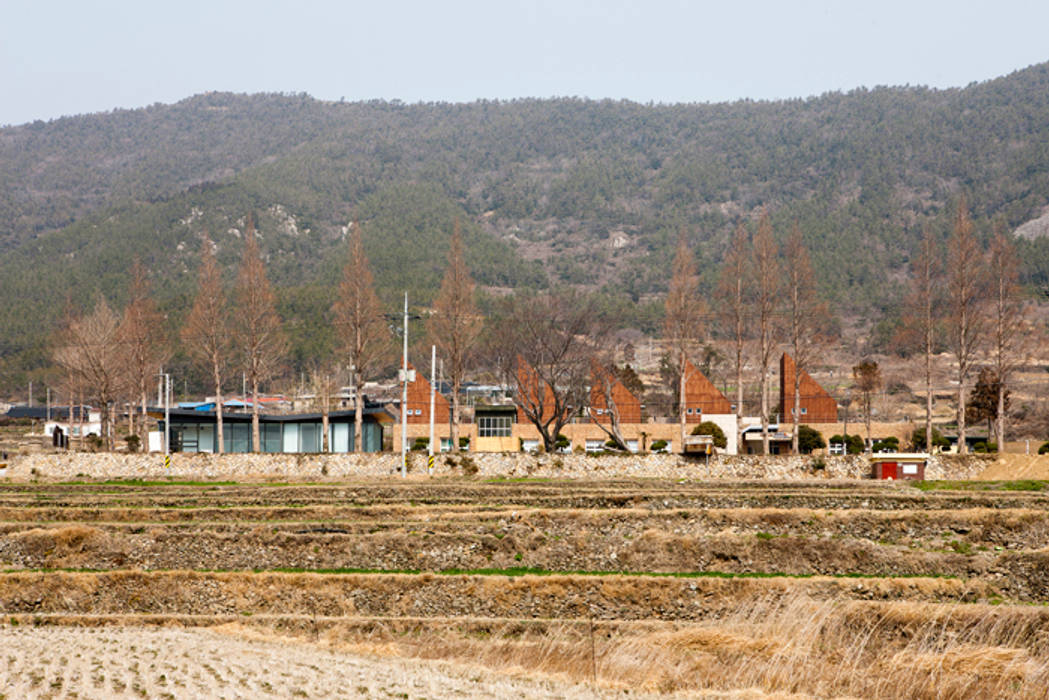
819, 589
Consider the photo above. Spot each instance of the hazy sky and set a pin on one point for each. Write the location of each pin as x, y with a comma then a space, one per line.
60, 57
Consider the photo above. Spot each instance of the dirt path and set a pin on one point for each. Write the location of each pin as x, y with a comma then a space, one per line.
47, 662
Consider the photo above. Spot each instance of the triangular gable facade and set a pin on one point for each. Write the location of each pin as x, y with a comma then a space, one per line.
419, 402
817, 406
628, 405
701, 396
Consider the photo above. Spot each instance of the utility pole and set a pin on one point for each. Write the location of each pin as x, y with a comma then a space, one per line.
404, 396
433, 373
166, 383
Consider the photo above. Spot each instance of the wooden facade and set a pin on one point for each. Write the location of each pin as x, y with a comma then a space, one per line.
626, 404
701, 396
817, 406
419, 402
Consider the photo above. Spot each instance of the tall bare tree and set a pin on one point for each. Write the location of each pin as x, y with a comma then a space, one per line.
766, 271
206, 333
1008, 322
256, 326
867, 376
966, 286
143, 337
683, 319
89, 348
542, 347
360, 324
733, 304
920, 318
807, 316
456, 323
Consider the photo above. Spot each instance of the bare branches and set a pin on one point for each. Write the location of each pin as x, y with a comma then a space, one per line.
765, 268
732, 293
256, 326
1008, 319
807, 315
89, 349
360, 324
867, 376
456, 323
542, 346
143, 338
682, 322
966, 284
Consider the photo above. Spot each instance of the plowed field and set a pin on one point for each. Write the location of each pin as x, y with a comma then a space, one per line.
575, 588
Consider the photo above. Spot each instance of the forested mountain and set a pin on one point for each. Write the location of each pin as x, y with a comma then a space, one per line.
547, 191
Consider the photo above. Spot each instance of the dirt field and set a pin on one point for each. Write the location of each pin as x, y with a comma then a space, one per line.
530, 588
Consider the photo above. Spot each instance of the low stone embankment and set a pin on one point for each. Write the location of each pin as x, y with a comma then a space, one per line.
63, 466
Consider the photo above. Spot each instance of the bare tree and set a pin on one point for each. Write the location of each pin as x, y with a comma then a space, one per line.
611, 402
683, 318
542, 346
966, 286
1008, 320
765, 268
807, 317
89, 348
456, 324
256, 326
205, 334
920, 318
867, 376
360, 324
732, 294
143, 337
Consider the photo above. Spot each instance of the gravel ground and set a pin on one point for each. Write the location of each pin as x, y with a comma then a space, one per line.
56, 662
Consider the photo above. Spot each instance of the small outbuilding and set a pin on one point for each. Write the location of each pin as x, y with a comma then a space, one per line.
900, 465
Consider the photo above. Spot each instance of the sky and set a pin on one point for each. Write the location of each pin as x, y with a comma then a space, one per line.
64, 57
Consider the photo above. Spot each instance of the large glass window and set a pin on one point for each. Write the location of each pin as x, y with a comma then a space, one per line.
309, 437
339, 437
494, 426
291, 437
271, 437
236, 437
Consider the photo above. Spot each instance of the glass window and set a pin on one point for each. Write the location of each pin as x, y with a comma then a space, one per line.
340, 437
236, 437
271, 437
291, 437
595, 445
494, 426
310, 437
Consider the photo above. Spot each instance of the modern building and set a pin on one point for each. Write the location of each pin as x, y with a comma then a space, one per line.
817, 406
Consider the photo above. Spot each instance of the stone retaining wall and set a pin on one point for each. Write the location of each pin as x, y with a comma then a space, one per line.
315, 467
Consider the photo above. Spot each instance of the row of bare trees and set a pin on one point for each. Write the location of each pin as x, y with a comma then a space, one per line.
974, 301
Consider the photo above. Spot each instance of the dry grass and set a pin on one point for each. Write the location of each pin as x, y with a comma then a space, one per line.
795, 646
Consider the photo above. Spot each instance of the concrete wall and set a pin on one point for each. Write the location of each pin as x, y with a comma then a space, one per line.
69, 466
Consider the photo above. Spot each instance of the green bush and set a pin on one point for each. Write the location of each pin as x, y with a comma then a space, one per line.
421, 443
133, 443
983, 447
710, 428
918, 439
854, 446
562, 442
809, 439
1044, 449
889, 444
659, 445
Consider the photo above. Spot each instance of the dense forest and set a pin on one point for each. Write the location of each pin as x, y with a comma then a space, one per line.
587, 193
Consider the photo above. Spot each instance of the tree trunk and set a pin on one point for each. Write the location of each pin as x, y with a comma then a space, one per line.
454, 433
963, 448
358, 414
765, 408
255, 432
928, 394
325, 443
681, 400
220, 447
1000, 428
739, 398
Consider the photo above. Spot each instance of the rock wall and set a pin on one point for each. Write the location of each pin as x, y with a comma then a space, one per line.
316, 467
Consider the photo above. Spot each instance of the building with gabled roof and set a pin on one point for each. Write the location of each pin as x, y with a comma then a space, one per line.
419, 402
702, 397
603, 384
817, 406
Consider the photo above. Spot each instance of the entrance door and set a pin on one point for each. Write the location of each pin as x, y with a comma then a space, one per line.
888, 470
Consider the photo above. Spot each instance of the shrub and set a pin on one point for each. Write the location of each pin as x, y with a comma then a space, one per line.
562, 443
660, 445
133, 443
94, 442
710, 428
918, 439
1044, 449
854, 446
889, 444
984, 447
421, 443
809, 439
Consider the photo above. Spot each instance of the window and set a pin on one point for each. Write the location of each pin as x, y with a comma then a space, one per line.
688, 411
595, 445
494, 426
804, 410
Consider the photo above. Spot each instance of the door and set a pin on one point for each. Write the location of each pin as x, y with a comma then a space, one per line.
888, 470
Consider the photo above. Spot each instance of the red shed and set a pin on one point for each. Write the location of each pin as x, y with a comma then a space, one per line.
899, 466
